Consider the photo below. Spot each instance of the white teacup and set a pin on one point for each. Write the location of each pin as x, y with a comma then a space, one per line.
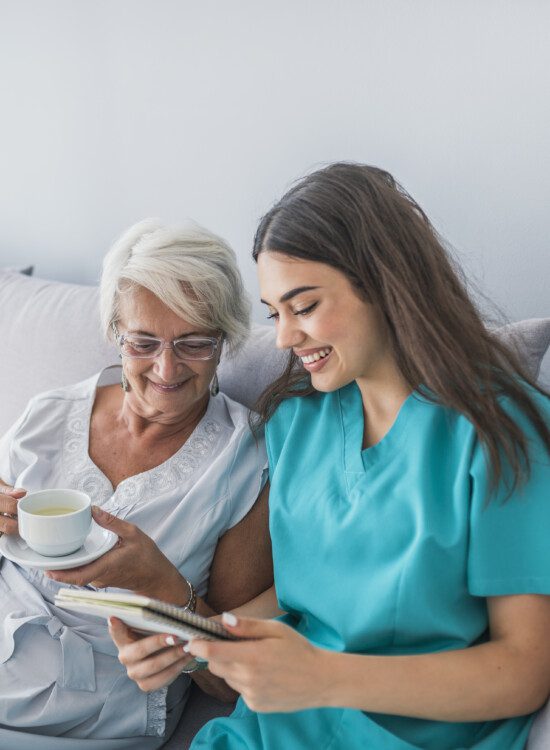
54, 522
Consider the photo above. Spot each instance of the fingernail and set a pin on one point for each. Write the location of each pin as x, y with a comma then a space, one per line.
111, 622
169, 640
228, 618
186, 648
97, 509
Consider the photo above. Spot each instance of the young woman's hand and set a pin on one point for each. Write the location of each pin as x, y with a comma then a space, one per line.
9, 497
134, 563
279, 670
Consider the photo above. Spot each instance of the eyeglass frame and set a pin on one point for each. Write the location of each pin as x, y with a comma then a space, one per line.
214, 340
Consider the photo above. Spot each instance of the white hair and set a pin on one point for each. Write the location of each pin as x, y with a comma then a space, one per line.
190, 270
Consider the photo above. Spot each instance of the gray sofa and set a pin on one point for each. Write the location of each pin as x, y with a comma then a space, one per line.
50, 335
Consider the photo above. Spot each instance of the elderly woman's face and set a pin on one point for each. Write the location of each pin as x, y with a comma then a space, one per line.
164, 388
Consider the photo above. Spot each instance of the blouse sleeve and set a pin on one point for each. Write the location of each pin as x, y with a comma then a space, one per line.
11, 462
248, 474
509, 550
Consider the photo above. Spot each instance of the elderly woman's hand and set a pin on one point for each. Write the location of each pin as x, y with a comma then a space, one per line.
152, 661
134, 563
155, 661
8, 507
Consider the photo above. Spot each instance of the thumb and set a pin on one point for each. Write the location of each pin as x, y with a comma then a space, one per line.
251, 627
114, 524
121, 633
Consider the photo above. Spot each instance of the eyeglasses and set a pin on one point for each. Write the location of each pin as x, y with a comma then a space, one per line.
148, 347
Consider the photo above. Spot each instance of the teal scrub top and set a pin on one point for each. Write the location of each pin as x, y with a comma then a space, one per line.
392, 550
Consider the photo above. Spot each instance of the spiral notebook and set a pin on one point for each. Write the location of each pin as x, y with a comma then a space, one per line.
144, 614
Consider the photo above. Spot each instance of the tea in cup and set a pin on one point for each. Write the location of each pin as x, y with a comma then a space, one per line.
54, 522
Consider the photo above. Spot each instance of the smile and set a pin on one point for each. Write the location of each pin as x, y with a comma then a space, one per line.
167, 388
309, 359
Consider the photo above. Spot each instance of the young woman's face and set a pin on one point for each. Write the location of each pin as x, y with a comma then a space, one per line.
318, 314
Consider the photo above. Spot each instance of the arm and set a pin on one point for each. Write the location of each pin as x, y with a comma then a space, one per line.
241, 570
242, 566
507, 676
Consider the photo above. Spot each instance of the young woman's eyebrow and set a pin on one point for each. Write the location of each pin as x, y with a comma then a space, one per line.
292, 293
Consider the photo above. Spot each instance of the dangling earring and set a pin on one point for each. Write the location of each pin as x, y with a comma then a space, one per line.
124, 382
214, 385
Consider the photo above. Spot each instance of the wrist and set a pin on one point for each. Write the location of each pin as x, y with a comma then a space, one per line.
174, 589
330, 678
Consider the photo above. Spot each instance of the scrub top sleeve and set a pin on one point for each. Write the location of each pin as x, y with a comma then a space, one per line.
509, 548
248, 474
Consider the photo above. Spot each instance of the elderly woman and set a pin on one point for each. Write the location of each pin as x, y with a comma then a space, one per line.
172, 469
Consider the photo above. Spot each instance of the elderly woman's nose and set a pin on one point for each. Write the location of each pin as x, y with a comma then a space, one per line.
167, 363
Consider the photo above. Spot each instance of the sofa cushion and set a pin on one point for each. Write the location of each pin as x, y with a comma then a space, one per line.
530, 339
50, 333
539, 736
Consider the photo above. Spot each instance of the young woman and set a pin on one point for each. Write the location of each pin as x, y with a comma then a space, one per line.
409, 509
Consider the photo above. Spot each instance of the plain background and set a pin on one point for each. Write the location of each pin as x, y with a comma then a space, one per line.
115, 110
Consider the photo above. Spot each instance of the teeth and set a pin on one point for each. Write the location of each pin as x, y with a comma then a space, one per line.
315, 357
169, 387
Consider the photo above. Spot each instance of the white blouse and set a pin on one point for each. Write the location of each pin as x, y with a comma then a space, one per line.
185, 504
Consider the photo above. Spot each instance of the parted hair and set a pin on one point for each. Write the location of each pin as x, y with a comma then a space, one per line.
361, 221
191, 270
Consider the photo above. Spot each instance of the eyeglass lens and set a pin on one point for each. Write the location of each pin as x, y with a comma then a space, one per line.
191, 348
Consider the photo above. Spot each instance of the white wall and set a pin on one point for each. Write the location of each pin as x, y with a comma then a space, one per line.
113, 110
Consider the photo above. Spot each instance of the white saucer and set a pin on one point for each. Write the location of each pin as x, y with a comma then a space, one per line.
98, 541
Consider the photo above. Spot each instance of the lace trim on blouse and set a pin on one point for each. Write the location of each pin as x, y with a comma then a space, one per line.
86, 476
156, 713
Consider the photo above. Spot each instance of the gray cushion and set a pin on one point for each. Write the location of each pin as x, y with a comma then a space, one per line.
199, 709
530, 339
539, 736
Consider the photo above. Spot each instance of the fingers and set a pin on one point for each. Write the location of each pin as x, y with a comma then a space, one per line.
121, 634
161, 679
8, 525
9, 497
16, 492
99, 572
152, 662
225, 652
82, 575
117, 525
133, 649
251, 627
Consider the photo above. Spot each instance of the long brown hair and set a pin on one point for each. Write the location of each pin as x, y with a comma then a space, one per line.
359, 220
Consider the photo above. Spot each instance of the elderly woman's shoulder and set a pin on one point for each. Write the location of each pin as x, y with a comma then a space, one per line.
71, 392
229, 412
